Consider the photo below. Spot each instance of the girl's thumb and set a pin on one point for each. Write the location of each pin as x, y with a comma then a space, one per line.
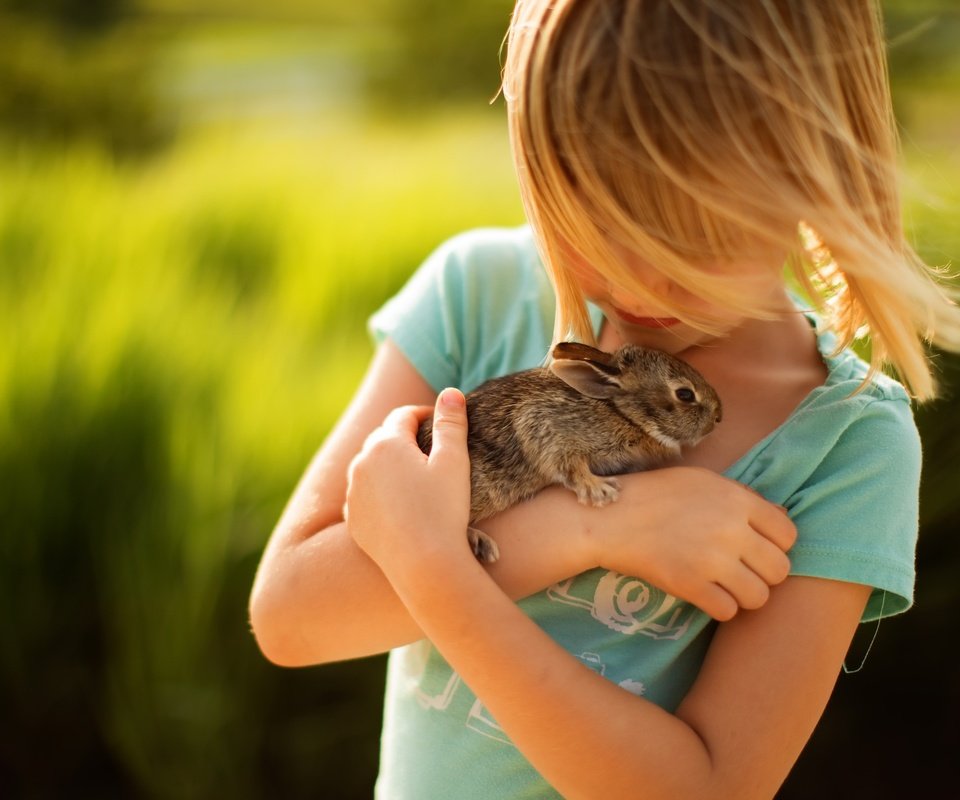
449, 424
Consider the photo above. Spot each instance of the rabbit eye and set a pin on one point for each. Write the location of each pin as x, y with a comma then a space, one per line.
685, 395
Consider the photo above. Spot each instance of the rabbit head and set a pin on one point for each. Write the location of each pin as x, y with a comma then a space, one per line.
663, 395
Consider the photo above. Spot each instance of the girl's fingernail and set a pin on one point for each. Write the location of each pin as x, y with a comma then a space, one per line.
453, 398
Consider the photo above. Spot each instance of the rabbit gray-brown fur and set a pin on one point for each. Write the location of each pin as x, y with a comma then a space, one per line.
586, 417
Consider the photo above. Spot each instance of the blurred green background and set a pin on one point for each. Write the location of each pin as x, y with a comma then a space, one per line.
200, 204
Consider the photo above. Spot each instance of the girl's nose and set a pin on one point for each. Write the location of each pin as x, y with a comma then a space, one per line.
658, 285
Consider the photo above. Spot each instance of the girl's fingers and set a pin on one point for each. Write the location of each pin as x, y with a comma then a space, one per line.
406, 418
767, 560
715, 601
748, 589
773, 522
449, 428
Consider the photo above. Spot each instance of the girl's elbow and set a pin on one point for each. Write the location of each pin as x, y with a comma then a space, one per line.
279, 644
272, 647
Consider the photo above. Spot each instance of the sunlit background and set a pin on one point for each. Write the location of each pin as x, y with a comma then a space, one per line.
200, 203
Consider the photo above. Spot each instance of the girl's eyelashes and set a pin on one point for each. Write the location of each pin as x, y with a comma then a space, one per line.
685, 395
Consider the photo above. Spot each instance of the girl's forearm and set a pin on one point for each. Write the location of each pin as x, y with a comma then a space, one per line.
545, 699
323, 599
320, 598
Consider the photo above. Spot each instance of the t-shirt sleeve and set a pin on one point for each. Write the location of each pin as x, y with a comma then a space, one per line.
422, 318
857, 513
479, 306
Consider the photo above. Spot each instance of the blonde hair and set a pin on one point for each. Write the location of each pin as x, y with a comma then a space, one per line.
697, 132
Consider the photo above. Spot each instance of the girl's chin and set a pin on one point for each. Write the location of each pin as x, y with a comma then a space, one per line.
671, 338
647, 322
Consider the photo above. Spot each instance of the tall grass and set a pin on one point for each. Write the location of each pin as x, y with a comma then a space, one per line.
178, 338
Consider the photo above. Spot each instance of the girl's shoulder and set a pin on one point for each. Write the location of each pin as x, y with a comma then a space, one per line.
846, 464
488, 276
480, 305
848, 373
854, 410
480, 257
492, 242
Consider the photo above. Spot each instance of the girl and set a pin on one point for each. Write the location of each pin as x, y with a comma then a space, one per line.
672, 156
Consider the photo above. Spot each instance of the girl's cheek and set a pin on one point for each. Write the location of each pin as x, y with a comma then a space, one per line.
593, 286
594, 291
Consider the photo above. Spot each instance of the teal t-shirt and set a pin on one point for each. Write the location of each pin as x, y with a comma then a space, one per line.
845, 464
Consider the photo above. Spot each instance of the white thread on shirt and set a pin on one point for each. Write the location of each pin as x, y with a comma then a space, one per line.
876, 630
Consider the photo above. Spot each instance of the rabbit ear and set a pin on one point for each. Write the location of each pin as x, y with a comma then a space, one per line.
581, 352
586, 369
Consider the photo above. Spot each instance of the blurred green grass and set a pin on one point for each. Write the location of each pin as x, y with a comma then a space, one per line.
179, 338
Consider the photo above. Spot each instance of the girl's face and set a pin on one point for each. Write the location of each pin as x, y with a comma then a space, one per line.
647, 323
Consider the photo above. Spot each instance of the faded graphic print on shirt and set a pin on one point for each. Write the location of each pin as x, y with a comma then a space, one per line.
612, 606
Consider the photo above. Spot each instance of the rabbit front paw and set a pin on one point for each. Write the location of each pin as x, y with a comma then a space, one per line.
596, 491
484, 548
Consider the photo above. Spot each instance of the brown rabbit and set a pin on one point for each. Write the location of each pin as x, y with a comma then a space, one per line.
586, 417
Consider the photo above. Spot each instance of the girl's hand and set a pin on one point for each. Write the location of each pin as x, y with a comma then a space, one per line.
406, 510
695, 534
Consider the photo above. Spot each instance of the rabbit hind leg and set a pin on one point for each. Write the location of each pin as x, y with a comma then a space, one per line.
483, 547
